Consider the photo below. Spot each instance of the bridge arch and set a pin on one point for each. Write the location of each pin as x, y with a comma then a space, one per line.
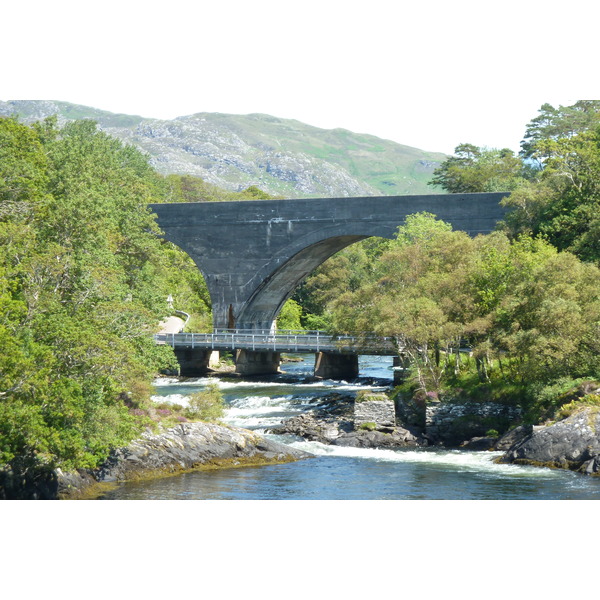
278, 285
253, 254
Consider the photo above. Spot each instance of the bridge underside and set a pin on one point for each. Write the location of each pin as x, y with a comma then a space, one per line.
254, 254
195, 362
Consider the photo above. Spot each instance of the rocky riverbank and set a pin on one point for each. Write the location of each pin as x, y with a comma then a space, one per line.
572, 443
333, 421
186, 447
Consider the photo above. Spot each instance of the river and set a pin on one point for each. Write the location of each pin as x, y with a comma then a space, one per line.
338, 473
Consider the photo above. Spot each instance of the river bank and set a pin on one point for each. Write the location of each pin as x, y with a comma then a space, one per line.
184, 448
367, 461
318, 416
572, 443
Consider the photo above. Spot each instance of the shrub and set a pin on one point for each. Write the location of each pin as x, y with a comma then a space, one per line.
589, 401
207, 405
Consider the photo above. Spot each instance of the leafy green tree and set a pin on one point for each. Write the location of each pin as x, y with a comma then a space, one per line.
188, 188
82, 288
290, 316
473, 169
557, 123
528, 313
564, 204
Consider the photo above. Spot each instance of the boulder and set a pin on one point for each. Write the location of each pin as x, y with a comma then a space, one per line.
573, 443
398, 437
314, 427
510, 438
479, 443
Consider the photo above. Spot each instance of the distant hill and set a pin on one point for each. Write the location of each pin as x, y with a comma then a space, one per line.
283, 157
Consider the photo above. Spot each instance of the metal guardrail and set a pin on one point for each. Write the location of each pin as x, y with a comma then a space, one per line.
280, 341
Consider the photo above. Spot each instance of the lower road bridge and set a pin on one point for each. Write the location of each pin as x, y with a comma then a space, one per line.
259, 351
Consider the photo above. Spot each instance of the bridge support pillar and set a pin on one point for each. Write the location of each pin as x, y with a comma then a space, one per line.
336, 366
193, 362
252, 362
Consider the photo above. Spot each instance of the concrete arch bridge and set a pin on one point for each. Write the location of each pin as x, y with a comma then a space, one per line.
253, 254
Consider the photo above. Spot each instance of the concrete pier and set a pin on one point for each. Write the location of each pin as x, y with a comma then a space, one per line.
336, 366
193, 362
250, 362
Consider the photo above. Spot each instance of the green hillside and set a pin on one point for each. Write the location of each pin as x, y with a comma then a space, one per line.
283, 157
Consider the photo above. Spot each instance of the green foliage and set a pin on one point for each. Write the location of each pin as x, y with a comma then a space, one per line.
474, 169
559, 123
187, 188
570, 213
553, 183
84, 279
563, 202
528, 312
590, 401
290, 316
369, 396
208, 405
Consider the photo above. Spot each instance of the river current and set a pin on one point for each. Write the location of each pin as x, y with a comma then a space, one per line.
338, 473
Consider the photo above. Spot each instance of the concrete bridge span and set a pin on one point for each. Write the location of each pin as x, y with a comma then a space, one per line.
253, 254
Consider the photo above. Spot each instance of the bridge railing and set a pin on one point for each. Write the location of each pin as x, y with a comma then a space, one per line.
279, 341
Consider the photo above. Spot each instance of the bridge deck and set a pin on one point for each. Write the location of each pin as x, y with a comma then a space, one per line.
286, 341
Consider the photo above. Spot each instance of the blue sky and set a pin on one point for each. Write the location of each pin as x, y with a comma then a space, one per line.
431, 76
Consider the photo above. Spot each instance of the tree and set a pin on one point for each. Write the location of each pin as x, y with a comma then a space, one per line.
80, 293
564, 204
556, 123
290, 316
473, 170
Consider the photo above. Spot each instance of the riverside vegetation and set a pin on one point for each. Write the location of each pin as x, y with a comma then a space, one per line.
84, 277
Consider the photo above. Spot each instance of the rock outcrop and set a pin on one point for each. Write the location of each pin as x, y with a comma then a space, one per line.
332, 422
281, 156
573, 443
184, 447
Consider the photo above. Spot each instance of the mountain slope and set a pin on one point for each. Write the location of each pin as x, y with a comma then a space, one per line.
281, 156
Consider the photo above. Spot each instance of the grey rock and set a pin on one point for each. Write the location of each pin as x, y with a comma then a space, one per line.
479, 443
397, 438
512, 437
183, 447
280, 156
573, 443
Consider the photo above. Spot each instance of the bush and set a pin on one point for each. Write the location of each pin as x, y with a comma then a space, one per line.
208, 405
589, 401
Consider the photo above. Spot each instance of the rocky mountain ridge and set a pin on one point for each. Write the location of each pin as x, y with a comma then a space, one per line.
283, 157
